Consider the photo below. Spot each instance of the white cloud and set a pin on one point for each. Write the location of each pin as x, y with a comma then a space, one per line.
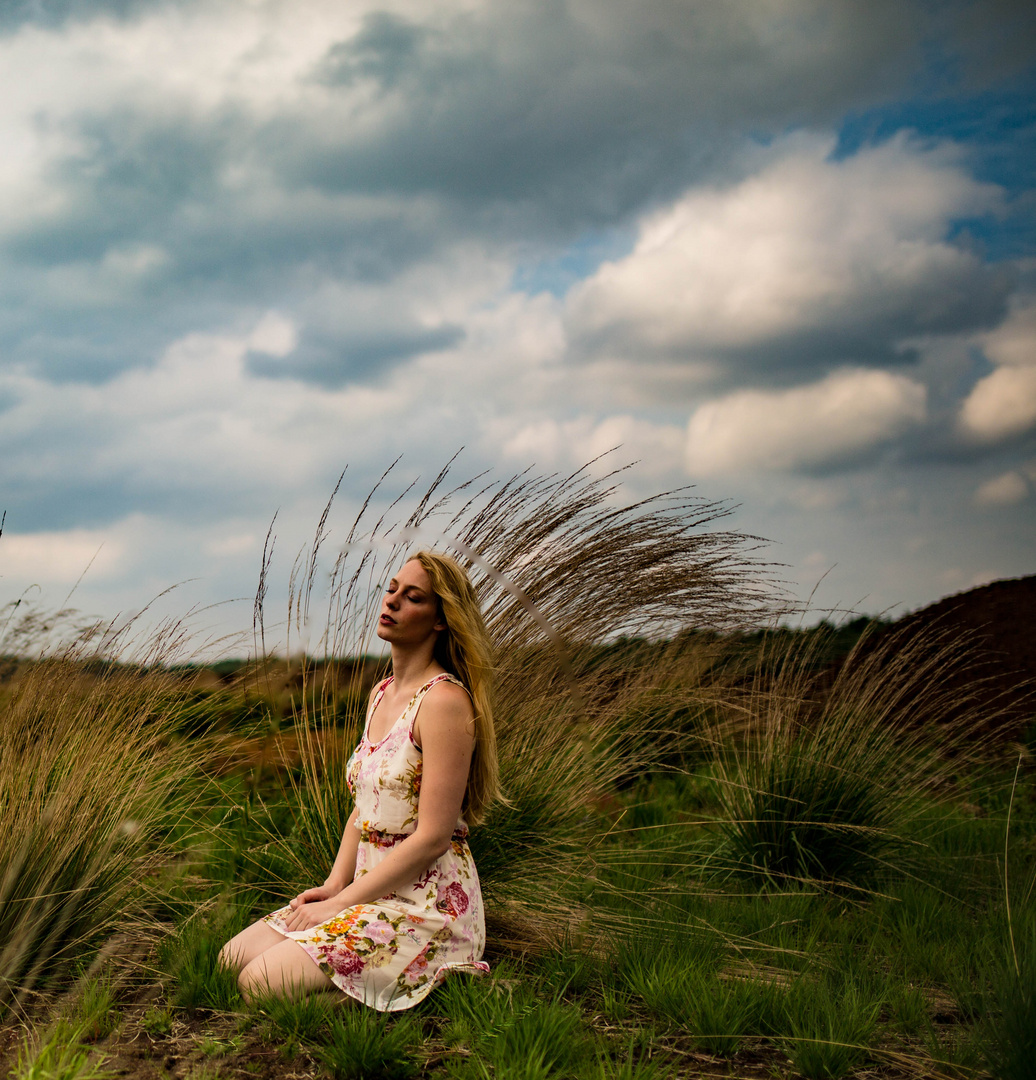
1013, 344
839, 418
61, 558
849, 252
1003, 404
1005, 490
274, 335
551, 443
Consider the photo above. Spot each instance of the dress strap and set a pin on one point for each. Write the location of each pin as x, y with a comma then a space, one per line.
415, 701
376, 700
373, 704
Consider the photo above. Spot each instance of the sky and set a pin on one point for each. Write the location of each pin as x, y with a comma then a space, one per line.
780, 250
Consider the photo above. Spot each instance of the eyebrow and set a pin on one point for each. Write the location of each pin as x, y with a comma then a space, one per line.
408, 588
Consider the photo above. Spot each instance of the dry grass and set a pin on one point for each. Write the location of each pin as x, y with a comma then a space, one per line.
86, 772
560, 565
822, 777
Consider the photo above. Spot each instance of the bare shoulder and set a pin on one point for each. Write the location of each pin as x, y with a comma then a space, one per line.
448, 698
445, 712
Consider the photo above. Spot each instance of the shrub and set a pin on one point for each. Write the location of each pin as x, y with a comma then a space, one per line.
86, 772
819, 784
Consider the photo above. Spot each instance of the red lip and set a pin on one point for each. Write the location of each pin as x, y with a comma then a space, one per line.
387, 619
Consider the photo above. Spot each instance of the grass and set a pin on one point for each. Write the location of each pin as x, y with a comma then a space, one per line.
292, 1024
95, 1014
57, 1056
190, 960
86, 774
820, 784
364, 1045
831, 1024
655, 786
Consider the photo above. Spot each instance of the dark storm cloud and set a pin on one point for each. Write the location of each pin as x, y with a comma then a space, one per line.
144, 186
873, 331
584, 114
383, 50
523, 122
132, 175
334, 361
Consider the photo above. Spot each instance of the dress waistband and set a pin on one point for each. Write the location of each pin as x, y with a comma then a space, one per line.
381, 839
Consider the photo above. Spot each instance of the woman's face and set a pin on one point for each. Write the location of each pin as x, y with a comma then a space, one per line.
409, 608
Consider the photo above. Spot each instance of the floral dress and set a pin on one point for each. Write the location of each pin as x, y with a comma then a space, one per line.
391, 952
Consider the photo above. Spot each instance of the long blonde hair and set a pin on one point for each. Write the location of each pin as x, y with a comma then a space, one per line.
464, 650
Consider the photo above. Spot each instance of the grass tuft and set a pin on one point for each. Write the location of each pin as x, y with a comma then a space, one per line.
296, 1022
361, 1044
830, 1027
190, 959
87, 759
820, 783
1011, 1023
57, 1056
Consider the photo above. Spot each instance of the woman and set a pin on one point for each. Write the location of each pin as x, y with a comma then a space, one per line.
401, 906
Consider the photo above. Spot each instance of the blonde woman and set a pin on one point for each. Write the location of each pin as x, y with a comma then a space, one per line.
401, 906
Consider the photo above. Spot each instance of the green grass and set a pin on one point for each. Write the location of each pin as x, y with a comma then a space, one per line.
57, 1056
817, 891
831, 1024
94, 1015
361, 1044
666, 959
292, 1024
189, 959
1011, 1007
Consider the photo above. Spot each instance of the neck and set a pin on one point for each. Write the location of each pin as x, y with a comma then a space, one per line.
412, 667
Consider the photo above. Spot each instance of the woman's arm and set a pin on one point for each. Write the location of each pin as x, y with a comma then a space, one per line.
447, 738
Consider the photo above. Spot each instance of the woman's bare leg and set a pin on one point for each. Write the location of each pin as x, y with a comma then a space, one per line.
243, 948
268, 962
286, 970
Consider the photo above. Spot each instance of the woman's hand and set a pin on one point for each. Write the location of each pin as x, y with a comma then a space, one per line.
316, 894
312, 913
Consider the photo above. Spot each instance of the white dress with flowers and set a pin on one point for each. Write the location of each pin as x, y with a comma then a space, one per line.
391, 952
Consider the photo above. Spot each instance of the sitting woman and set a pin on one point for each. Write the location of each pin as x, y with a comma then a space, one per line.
401, 906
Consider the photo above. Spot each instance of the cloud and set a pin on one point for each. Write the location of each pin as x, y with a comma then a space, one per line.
553, 444
186, 165
61, 557
805, 265
835, 422
1004, 490
1002, 405
198, 436
1013, 343
553, 106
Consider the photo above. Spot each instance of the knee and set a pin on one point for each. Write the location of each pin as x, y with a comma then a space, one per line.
253, 981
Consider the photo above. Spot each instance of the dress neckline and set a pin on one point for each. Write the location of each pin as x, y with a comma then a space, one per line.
418, 693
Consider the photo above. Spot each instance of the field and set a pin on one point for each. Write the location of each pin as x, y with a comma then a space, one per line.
727, 853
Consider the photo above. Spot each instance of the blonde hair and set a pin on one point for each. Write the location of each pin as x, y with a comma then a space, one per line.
463, 649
